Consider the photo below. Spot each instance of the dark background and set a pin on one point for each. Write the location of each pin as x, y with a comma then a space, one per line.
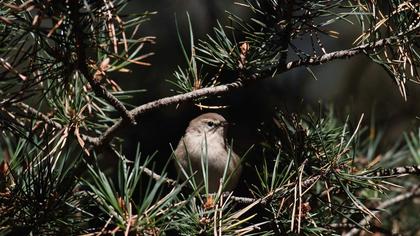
351, 87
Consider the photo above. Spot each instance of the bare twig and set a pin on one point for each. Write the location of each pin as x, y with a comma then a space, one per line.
6, 65
140, 110
157, 177
396, 171
414, 192
244, 200
39, 115
347, 53
342, 54
101, 91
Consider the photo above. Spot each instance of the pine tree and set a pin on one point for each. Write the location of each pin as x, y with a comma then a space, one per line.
62, 113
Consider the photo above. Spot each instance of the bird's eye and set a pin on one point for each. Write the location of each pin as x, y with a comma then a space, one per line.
210, 123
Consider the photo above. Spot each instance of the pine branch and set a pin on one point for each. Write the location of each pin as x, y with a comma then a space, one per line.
82, 64
414, 192
220, 89
243, 200
101, 91
391, 172
156, 176
347, 53
140, 110
283, 191
342, 54
397, 171
39, 115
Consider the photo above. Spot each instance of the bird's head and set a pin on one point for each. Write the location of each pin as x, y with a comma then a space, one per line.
209, 124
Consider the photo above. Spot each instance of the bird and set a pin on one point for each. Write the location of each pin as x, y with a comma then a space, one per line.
204, 137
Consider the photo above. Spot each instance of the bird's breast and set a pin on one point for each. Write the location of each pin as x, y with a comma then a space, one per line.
210, 146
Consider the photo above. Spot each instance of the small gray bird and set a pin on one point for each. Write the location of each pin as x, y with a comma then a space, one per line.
208, 129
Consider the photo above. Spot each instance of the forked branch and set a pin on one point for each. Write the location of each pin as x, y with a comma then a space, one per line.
137, 112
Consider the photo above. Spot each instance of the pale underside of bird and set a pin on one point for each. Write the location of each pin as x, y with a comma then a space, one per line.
204, 147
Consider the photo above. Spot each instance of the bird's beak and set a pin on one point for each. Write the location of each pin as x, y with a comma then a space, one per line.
224, 123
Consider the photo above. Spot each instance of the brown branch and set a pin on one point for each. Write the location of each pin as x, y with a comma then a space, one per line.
158, 177
101, 91
82, 64
283, 191
347, 53
414, 192
109, 149
39, 115
310, 61
342, 54
140, 110
396, 171
392, 172
387, 173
